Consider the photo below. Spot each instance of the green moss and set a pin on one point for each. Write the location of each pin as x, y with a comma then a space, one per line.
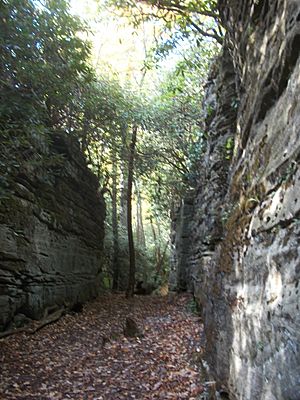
229, 146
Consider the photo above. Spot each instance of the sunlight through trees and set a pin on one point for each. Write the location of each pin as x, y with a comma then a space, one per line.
55, 80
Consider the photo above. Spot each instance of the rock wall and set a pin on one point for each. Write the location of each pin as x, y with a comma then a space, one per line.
245, 252
180, 278
51, 234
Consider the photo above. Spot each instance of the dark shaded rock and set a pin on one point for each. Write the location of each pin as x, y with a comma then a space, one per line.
140, 290
131, 328
51, 235
77, 308
143, 288
20, 320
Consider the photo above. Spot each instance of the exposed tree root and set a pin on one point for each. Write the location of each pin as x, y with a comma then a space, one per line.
36, 325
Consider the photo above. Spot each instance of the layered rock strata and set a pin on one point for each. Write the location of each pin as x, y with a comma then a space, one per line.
245, 257
51, 234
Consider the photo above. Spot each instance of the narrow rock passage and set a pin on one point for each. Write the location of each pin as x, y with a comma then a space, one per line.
87, 356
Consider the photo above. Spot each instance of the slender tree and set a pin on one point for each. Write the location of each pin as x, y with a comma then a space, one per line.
115, 229
131, 276
124, 176
140, 233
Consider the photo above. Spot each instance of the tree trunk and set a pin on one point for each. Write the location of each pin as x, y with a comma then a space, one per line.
159, 254
115, 231
131, 275
156, 242
124, 180
140, 233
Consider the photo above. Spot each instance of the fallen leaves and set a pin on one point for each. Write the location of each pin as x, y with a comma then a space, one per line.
86, 356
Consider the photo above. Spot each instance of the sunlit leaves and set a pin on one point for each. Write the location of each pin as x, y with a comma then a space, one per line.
174, 140
43, 57
182, 18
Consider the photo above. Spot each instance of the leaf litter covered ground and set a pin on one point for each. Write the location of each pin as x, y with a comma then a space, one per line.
87, 356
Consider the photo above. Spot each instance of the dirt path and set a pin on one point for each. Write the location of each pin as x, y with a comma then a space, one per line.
86, 356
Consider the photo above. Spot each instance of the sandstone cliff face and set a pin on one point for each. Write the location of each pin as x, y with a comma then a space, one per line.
245, 253
51, 234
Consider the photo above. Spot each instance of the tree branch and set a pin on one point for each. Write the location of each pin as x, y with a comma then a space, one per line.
175, 7
184, 10
183, 170
205, 33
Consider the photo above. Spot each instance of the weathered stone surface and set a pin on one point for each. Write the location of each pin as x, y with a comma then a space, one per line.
180, 278
245, 239
51, 234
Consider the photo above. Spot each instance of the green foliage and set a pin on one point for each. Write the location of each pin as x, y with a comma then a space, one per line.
49, 88
42, 62
43, 66
209, 111
192, 307
229, 145
174, 140
182, 18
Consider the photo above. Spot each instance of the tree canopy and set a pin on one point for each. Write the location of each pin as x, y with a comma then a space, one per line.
127, 133
185, 17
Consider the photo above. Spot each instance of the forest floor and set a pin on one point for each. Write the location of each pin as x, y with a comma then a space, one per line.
86, 355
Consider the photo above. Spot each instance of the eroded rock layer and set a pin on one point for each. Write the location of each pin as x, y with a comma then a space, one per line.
51, 234
245, 255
